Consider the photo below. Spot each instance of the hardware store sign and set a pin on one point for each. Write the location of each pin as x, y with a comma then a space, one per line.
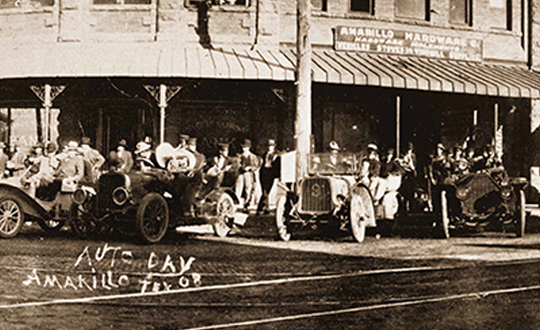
400, 42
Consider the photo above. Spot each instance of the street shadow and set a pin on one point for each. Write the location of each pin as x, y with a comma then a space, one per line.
506, 246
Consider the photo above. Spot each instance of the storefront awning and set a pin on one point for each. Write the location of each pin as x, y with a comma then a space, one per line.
153, 60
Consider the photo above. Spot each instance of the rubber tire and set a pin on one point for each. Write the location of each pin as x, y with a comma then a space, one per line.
521, 215
222, 225
444, 221
55, 228
20, 220
284, 232
139, 218
358, 225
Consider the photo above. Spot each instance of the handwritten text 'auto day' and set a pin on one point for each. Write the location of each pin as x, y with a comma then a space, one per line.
160, 274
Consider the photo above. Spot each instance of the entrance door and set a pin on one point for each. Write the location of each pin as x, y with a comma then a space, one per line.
125, 123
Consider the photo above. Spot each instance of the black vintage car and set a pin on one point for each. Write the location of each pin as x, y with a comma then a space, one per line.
151, 201
488, 199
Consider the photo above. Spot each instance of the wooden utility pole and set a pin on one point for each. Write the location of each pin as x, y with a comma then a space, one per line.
303, 87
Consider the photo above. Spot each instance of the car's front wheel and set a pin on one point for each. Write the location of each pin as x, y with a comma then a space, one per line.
225, 214
357, 218
152, 218
11, 218
444, 220
282, 220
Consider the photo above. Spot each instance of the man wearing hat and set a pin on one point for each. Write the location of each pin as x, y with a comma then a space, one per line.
18, 160
440, 166
459, 165
3, 160
145, 156
249, 166
92, 157
124, 156
72, 166
182, 141
218, 165
371, 168
270, 170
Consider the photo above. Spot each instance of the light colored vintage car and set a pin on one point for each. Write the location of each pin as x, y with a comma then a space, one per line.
333, 194
48, 206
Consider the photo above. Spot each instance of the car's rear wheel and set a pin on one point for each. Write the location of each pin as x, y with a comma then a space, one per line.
282, 220
225, 214
51, 225
444, 220
521, 215
11, 218
152, 218
357, 218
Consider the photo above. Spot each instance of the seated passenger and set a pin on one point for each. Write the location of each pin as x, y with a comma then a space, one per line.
125, 163
145, 156
215, 174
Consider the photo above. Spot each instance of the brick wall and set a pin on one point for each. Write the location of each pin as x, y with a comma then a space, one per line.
174, 21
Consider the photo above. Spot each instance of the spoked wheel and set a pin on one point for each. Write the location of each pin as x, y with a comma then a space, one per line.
444, 221
11, 218
521, 216
357, 218
80, 221
225, 214
51, 225
152, 219
282, 220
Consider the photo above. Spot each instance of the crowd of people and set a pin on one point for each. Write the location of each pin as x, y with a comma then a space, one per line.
81, 163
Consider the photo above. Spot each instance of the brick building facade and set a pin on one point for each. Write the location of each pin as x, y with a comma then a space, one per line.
228, 67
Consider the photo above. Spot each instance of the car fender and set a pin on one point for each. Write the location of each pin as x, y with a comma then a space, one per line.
28, 204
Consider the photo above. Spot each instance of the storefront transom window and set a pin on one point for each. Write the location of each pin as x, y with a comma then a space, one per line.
25, 4
365, 6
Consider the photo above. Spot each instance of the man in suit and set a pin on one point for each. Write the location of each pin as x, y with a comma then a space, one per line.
218, 166
270, 170
92, 157
126, 158
249, 165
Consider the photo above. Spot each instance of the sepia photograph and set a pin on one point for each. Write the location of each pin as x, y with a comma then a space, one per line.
269, 164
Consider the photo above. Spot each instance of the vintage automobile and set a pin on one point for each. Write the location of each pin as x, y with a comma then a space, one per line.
152, 200
331, 195
19, 202
488, 199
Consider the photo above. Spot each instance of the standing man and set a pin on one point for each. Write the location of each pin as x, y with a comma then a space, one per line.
93, 157
72, 166
270, 170
249, 164
3, 160
126, 163
18, 159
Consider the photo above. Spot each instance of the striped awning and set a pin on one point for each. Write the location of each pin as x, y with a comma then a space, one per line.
156, 60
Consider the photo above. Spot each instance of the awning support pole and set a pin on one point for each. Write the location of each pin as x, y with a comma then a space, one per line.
47, 104
47, 94
162, 109
303, 87
162, 94
398, 123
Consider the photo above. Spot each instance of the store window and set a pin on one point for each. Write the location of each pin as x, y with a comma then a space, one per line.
245, 3
501, 14
365, 6
25, 4
411, 8
461, 12
320, 5
122, 2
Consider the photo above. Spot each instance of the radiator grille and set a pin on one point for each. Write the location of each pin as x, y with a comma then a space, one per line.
316, 195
